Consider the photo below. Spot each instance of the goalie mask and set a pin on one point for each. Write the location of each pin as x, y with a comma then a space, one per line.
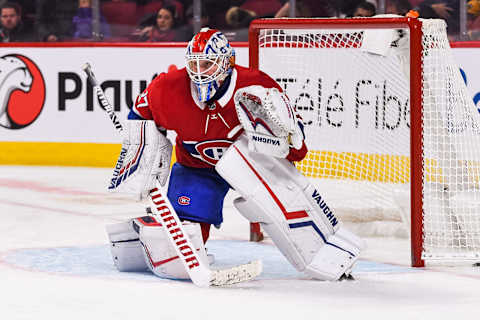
209, 60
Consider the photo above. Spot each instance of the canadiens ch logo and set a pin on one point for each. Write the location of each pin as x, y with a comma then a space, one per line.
22, 91
183, 200
212, 151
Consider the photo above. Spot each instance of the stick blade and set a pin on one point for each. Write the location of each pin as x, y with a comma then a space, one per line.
241, 273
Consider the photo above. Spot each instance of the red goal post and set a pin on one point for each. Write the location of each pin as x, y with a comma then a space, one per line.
421, 152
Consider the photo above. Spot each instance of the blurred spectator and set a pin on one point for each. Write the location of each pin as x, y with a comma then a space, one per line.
159, 27
474, 19
28, 9
149, 7
436, 9
11, 24
83, 23
54, 19
238, 18
238, 21
307, 8
399, 7
364, 9
473, 7
449, 10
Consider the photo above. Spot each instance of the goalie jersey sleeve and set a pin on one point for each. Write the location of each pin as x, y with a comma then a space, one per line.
204, 130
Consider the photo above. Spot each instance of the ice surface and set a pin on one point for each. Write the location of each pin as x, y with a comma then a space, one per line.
55, 264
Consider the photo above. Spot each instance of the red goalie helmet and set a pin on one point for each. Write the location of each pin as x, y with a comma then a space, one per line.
209, 60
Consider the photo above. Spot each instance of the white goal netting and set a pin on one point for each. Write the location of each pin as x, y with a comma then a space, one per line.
352, 88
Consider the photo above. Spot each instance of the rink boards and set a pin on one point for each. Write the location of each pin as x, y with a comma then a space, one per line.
57, 120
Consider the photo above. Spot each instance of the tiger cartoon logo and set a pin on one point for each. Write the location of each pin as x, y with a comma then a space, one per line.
22, 91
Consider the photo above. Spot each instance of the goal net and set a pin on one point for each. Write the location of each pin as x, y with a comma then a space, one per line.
393, 135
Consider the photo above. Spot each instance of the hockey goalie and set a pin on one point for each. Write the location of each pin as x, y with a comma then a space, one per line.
235, 129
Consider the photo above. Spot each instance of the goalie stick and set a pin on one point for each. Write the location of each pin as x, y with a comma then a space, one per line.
199, 272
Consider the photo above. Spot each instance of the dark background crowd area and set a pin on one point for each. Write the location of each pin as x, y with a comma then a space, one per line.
174, 20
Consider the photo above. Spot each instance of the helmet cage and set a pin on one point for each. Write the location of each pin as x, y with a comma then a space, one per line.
200, 66
207, 72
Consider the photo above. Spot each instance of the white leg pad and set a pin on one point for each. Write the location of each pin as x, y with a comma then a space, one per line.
161, 256
251, 211
279, 234
291, 211
330, 259
125, 246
